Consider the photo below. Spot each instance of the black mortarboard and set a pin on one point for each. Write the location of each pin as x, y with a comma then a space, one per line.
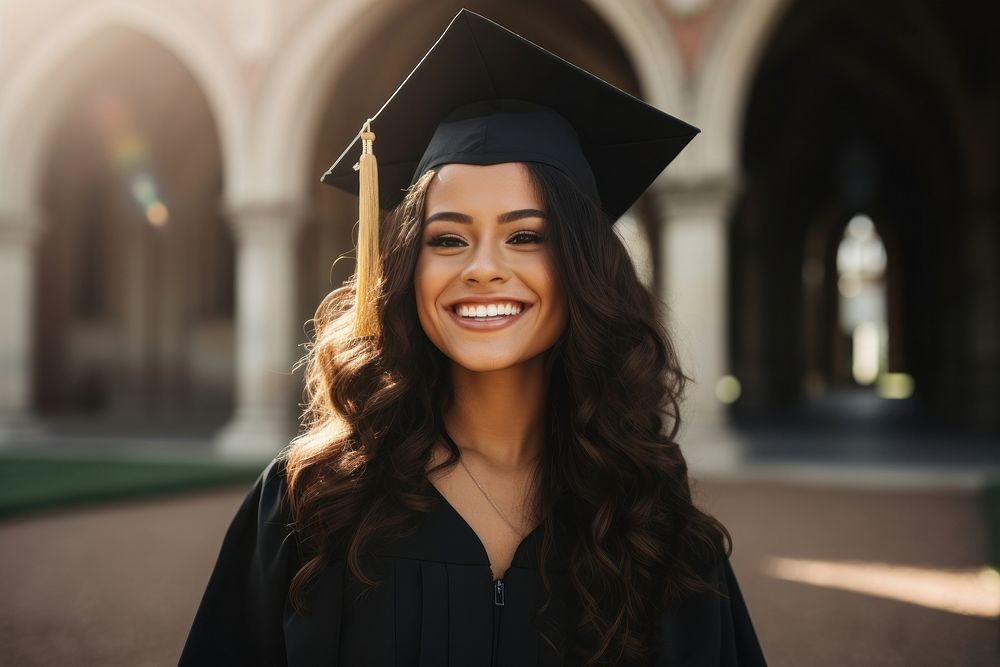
484, 95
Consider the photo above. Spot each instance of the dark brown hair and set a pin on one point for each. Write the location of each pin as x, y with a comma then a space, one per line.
613, 480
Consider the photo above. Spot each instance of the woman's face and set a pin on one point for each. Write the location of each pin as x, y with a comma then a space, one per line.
486, 290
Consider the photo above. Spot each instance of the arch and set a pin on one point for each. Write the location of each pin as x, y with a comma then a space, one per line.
294, 93
134, 275
833, 157
38, 89
642, 30
724, 81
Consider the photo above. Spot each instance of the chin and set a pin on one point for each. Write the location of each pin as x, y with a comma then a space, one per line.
485, 363
488, 361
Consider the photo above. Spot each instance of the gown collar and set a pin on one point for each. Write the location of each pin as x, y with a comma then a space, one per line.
445, 536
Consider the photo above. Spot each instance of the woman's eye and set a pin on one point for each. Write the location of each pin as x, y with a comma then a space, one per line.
525, 237
446, 241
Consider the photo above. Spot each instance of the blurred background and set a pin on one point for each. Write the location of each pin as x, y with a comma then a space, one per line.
828, 249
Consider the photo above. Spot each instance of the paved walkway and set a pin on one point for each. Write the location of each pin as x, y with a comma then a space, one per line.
818, 626
119, 585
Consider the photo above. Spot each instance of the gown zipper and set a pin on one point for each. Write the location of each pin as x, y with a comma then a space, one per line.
498, 603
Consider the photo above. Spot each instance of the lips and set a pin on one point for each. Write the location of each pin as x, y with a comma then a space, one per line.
486, 315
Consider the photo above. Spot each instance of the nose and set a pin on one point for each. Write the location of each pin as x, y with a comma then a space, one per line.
485, 265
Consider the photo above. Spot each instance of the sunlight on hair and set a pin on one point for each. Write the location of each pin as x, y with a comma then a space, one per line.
970, 592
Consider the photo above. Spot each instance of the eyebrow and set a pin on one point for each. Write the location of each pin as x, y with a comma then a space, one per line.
510, 216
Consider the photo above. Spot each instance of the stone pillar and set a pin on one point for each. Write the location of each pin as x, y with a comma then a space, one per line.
694, 270
19, 235
264, 419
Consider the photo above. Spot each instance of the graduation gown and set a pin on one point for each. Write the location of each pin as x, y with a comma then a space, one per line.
438, 604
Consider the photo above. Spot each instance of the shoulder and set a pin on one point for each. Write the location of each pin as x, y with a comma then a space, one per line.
240, 615
273, 478
274, 473
270, 493
264, 518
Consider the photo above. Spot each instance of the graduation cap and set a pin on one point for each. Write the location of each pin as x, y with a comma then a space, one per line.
484, 95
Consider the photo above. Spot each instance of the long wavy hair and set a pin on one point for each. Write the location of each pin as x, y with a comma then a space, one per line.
612, 479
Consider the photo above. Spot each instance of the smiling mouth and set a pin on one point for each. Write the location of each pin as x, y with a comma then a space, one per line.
488, 312
488, 322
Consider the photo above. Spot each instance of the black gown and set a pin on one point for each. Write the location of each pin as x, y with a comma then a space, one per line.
438, 604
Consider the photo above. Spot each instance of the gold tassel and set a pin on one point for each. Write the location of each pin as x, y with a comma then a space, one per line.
368, 276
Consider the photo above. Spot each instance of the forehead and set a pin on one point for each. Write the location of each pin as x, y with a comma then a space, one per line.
507, 185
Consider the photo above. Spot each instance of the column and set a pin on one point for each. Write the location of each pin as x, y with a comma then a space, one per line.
19, 235
264, 418
693, 274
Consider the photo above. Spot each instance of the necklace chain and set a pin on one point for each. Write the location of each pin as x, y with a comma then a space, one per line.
490, 500
480, 487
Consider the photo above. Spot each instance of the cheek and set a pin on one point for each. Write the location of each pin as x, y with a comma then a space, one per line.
552, 284
420, 282
429, 281
423, 287
551, 290
561, 310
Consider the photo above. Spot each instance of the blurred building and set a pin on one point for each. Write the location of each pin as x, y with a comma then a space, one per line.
164, 238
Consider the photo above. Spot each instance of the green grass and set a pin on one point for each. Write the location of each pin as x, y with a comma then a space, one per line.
991, 498
32, 483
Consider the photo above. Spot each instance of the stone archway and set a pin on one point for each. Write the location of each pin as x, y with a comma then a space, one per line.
36, 93
836, 125
37, 88
722, 85
134, 277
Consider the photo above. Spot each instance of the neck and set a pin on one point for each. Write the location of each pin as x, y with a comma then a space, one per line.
500, 415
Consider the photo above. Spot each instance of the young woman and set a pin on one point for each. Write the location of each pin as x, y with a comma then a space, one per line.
489, 473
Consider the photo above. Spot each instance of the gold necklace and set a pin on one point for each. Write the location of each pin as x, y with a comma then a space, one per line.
490, 500
481, 489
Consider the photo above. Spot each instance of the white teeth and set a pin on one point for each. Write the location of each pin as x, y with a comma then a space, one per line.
487, 310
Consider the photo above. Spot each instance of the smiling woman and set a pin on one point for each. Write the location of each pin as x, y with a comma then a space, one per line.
505, 425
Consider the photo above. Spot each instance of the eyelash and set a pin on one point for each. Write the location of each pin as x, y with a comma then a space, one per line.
443, 240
